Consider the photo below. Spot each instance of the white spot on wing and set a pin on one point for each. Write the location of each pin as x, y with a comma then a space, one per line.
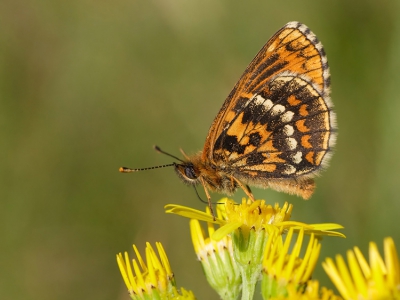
292, 143
297, 157
267, 103
289, 169
277, 109
287, 116
258, 100
288, 130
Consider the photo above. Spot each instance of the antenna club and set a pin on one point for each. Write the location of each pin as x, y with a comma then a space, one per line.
125, 170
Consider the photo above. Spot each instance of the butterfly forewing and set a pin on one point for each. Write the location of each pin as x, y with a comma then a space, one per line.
277, 122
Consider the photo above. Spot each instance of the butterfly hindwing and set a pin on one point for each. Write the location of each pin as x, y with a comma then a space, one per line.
282, 131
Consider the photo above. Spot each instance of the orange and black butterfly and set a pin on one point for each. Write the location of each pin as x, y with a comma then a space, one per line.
276, 129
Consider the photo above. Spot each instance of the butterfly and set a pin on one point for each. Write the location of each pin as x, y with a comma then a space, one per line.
276, 129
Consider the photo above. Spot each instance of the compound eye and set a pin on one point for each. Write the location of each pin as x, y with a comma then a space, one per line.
189, 172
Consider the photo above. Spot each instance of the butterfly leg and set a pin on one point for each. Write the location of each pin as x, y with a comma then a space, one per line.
246, 189
208, 197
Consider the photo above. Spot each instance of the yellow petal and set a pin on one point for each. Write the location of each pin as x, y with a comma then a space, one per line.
191, 213
223, 231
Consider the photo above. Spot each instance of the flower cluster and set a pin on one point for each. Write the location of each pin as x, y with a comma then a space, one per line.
255, 232
254, 242
380, 279
151, 280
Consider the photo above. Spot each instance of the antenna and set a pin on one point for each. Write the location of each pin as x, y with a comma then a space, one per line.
129, 170
158, 149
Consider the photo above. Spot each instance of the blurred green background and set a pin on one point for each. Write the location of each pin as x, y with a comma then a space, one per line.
89, 86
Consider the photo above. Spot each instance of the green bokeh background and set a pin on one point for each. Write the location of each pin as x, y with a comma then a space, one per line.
89, 86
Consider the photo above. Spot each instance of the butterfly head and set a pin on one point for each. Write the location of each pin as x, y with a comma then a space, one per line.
185, 169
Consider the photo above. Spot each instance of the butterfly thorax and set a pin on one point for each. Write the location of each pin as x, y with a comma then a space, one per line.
197, 171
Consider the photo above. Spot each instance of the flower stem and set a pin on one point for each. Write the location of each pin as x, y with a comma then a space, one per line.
250, 276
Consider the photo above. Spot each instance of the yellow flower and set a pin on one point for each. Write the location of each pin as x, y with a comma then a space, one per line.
153, 280
380, 279
281, 268
217, 260
287, 276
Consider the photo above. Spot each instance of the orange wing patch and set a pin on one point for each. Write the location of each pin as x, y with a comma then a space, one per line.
293, 101
301, 126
